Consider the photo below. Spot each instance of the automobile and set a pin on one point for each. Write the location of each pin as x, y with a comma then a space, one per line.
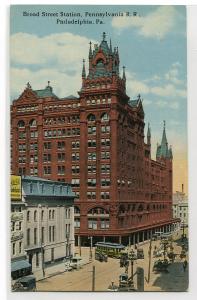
101, 256
161, 265
26, 283
140, 253
76, 262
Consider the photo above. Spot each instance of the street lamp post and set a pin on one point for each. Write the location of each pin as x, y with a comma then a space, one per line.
90, 237
42, 253
67, 243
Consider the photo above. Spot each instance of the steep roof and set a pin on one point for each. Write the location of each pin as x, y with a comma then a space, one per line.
47, 92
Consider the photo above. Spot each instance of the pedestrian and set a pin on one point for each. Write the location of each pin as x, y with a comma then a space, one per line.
184, 265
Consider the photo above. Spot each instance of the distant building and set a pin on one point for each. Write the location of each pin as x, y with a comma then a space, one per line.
180, 206
48, 221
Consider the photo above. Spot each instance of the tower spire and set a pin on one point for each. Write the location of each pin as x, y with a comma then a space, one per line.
110, 47
149, 135
104, 36
83, 70
90, 50
124, 76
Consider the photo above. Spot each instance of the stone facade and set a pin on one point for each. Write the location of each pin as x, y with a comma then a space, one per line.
180, 207
96, 143
17, 230
48, 221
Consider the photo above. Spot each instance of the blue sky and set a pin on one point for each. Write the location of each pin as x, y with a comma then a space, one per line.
152, 46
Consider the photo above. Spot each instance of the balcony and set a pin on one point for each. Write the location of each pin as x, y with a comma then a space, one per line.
16, 236
16, 216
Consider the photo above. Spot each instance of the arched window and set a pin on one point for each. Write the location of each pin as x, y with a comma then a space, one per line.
53, 214
35, 215
28, 215
91, 118
49, 214
42, 215
98, 211
32, 123
21, 123
104, 117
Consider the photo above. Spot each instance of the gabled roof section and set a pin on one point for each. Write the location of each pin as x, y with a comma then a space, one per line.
47, 92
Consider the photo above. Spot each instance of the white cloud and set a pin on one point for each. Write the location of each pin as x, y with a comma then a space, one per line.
57, 57
61, 50
169, 90
63, 84
155, 25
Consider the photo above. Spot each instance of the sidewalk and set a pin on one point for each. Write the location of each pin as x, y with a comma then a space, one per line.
59, 268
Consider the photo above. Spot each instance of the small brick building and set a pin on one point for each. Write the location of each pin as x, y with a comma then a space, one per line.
96, 142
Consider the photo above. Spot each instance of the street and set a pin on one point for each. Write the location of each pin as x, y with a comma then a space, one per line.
106, 272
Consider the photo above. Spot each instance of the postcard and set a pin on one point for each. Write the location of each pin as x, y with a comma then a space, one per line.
98, 110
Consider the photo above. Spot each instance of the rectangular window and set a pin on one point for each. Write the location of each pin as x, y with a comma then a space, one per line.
61, 170
22, 135
46, 157
75, 156
13, 249
105, 181
61, 145
47, 145
75, 182
13, 226
53, 233
50, 233
105, 196
91, 168
105, 169
47, 170
104, 224
33, 134
105, 155
105, 142
92, 224
77, 223
35, 236
91, 182
61, 156
91, 129
75, 169
28, 236
91, 195
91, 156
75, 144
20, 247
19, 225
42, 235
92, 143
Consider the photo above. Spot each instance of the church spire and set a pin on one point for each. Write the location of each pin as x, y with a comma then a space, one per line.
149, 135
83, 70
124, 76
90, 50
110, 47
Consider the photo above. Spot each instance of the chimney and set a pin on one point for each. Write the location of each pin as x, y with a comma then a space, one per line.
182, 188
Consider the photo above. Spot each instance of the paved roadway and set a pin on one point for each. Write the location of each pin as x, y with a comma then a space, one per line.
81, 280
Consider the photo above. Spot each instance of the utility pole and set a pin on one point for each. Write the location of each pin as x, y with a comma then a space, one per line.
93, 278
149, 263
42, 253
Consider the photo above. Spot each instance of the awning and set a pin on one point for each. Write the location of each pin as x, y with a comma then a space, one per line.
19, 265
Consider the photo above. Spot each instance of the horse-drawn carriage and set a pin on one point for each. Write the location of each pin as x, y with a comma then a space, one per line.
161, 265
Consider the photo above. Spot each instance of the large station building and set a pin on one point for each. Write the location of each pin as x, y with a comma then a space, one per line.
96, 142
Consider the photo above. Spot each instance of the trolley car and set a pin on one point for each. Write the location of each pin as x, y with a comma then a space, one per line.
111, 249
